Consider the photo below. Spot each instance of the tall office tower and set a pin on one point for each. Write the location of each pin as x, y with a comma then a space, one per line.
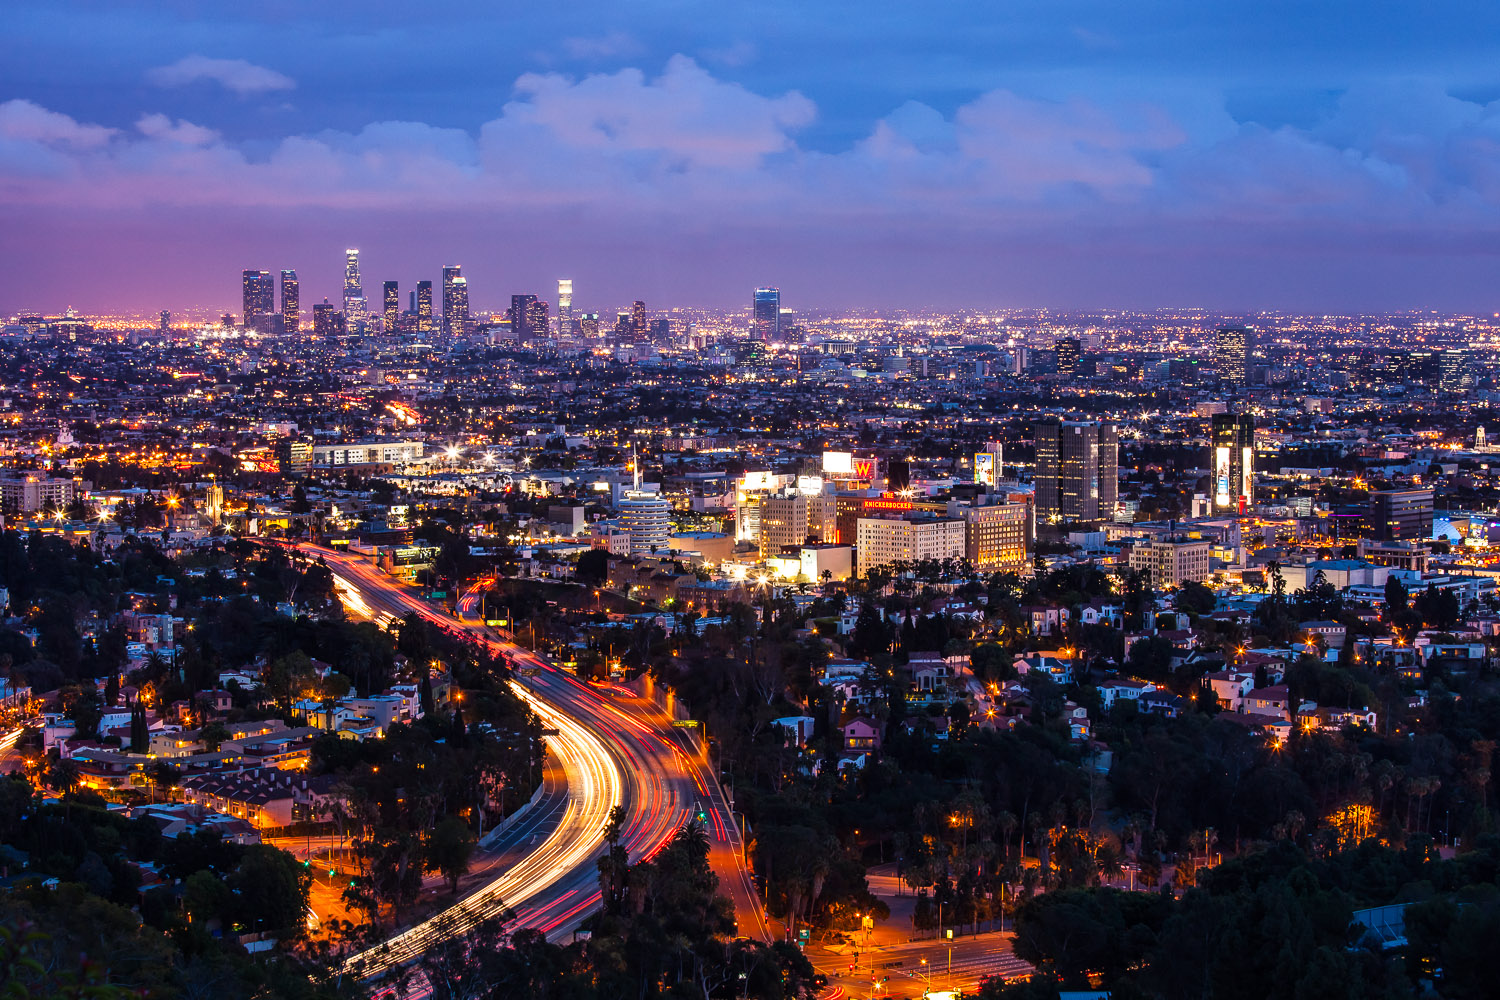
588, 325
661, 331
638, 329
354, 291
1453, 370
1233, 462
324, 324
1400, 515
564, 307
536, 319
1232, 354
258, 292
392, 295
1077, 470
519, 315
1069, 350
452, 273
988, 464
623, 327
460, 323
166, 322
291, 302
424, 307
765, 317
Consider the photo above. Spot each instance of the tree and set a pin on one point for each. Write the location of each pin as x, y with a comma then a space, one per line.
450, 846
272, 888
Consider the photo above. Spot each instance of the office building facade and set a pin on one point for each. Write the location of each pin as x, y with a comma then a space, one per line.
520, 315
354, 291
455, 302
1400, 515
1232, 355
291, 302
258, 293
1171, 561
391, 296
424, 307
995, 537
564, 307
1232, 443
1069, 351
1077, 470
788, 520
765, 315
885, 541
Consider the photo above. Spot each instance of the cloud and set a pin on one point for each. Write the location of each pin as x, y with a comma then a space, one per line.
159, 126
234, 74
24, 121
686, 150
686, 116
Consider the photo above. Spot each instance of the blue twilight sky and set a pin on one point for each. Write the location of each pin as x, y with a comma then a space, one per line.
1329, 156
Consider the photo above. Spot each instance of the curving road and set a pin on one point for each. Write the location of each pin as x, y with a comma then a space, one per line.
614, 748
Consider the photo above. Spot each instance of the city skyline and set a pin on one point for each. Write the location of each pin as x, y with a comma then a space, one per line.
1063, 159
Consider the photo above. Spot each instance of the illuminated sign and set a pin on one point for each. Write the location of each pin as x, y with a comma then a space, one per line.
838, 463
864, 468
889, 505
984, 468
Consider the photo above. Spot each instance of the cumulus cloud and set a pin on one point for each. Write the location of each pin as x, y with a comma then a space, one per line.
25, 121
159, 126
685, 115
233, 74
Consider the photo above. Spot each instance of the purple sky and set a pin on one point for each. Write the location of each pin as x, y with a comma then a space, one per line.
1234, 155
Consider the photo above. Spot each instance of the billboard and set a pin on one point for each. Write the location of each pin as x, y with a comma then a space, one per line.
984, 468
864, 468
838, 463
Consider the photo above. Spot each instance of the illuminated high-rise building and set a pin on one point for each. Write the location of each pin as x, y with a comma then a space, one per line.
588, 325
1232, 354
1233, 461
354, 291
564, 307
455, 302
1077, 472
326, 320
424, 307
765, 318
536, 319
1069, 350
1453, 370
291, 302
392, 297
166, 323
520, 315
638, 328
258, 293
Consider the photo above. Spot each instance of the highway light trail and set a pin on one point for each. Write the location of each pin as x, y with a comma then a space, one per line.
594, 788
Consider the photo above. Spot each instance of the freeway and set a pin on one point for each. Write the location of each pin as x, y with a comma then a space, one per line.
613, 748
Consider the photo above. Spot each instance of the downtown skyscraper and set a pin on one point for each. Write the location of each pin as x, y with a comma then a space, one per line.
765, 316
424, 307
354, 291
258, 295
564, 306
291, 302
455, 303
391, 298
